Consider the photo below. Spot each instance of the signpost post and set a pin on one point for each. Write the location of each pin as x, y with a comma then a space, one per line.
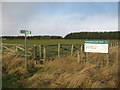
97, 46
26, 33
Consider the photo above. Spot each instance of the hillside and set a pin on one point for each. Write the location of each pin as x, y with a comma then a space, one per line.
62, 73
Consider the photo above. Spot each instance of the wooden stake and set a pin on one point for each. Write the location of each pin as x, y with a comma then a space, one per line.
112, 44
58, 50
40, 51
35, 62
16, 49
86, 55
81, 51
117, 43
72, 50
44, 51
34, 51
78, 56
107, 59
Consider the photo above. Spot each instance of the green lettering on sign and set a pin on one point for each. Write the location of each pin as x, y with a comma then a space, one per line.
96, 41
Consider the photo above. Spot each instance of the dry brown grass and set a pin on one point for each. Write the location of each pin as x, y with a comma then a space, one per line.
13, 65
67, 73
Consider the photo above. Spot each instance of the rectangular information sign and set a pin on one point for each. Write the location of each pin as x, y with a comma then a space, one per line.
97, 46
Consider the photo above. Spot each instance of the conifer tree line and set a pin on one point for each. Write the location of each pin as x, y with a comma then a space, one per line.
32, 37
94, 35
78, 35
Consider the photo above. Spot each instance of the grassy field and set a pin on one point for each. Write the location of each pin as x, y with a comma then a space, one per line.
48, 42
51, 51
44, 42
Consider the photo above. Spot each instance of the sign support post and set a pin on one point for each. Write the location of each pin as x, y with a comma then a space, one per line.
26, 62
107, 59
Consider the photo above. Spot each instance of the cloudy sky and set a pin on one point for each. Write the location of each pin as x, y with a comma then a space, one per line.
58, 18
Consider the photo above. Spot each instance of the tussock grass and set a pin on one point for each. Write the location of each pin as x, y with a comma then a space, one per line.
13, 65
67, 72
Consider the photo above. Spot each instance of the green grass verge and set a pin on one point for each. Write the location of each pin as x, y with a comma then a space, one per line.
43, 42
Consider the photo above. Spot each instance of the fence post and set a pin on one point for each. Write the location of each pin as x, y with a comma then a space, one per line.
107, 56
40, 51
107, 59
114, 44
86, 55
81, 51
58, 50
78, 56
35, 61
72, 50
16, 49
44, 53
111, 44
33, 51
117, 43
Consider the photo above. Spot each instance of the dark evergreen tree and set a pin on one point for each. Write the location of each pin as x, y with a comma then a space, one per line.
94, 35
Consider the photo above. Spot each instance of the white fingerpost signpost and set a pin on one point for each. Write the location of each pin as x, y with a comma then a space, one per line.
26, 33
97, 46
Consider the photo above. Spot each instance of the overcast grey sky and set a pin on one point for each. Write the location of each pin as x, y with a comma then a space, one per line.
58, 18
